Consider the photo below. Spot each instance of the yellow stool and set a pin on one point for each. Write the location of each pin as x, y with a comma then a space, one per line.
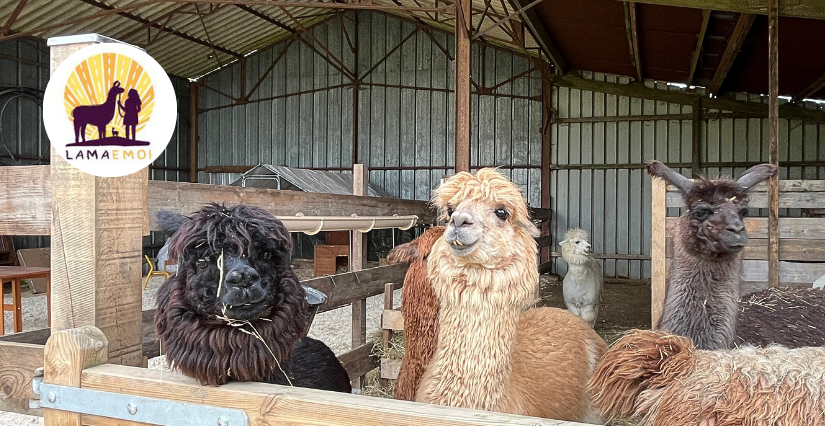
153, 272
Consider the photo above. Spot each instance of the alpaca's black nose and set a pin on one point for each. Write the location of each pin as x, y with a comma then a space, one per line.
242, 277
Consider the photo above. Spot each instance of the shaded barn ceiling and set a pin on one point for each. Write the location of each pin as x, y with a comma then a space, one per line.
721, 50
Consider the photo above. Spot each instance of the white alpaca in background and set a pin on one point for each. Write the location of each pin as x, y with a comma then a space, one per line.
582, 285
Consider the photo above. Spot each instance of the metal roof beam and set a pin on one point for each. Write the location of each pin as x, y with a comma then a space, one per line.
266, 18
540, 35
700, 41
743, 26
814, 9
320, 5
145, 21
14, 14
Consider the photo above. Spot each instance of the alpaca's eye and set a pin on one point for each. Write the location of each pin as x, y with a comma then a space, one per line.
701, 214
502, 214
743, 212
449, 211
202, 263
267, 255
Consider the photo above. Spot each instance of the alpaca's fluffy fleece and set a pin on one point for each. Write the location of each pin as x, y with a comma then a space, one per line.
420, 311
583, 283
788, 316
491, 354
235, 310
662, 379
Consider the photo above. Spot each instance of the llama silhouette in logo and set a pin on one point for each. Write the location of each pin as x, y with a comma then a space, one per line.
102, 114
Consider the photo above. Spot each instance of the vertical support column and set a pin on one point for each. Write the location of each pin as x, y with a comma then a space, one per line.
773, 138
194, 89
658, 262
358, 257
546, 150
696, 145
356, 87
66, 354
97, 230
463, 23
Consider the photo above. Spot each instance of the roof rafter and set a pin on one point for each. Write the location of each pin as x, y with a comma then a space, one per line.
631, 26
814, 9
266, 18
142, 20
540, 35
80, 20
743, 26
814, 87
14, 14
700, 41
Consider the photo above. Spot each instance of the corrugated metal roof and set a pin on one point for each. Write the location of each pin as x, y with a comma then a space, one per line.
180, 35
269, 176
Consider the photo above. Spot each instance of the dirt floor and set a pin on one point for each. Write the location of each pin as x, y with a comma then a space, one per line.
624, 306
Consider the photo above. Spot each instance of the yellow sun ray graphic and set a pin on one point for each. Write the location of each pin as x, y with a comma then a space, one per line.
90, 84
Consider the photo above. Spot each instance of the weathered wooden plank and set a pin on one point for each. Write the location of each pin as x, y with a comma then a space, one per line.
743, 26
658, 265
17, 364
343, 289
785, 185
392, 319
268, 404
799, 200
65, 356
789, 227
359, 361
390, 368
789, 272
798, 8
25, 200
188, 197
789, 249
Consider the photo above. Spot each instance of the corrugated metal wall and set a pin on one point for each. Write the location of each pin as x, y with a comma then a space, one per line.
405, 108
598, 182
24, 74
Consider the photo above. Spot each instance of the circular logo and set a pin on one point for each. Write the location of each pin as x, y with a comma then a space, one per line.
109, 109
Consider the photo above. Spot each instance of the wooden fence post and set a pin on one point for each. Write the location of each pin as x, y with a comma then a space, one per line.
66, 354
358, 258
96, 238
658, 260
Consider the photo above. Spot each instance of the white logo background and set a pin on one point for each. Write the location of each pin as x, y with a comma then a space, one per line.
158, 130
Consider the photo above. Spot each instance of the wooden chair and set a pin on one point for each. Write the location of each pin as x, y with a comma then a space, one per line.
153, 272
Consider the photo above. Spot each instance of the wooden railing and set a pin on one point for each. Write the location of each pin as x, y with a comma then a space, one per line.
76, 358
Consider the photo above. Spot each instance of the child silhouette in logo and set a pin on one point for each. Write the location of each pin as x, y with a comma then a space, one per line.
130, 111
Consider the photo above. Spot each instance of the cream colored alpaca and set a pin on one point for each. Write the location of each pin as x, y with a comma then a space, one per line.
492, 353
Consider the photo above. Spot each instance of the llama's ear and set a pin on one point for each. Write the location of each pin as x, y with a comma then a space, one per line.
658, 169
562, 242
755, 175
169, 222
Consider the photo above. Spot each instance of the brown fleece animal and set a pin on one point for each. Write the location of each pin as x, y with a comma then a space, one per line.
491, 353
420, 311
661, 379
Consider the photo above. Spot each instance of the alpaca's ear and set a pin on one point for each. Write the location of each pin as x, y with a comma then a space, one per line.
563, 242
755, 175
658, 169
169, 222
531, 229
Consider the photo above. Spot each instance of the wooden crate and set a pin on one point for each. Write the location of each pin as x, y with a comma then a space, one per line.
326, 257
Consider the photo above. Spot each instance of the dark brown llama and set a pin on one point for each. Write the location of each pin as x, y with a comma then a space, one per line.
701, 300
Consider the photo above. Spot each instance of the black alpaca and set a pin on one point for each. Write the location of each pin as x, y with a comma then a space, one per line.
235, 309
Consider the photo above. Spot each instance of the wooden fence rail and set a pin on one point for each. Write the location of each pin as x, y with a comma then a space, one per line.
26, 201
76, 358
21, 353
